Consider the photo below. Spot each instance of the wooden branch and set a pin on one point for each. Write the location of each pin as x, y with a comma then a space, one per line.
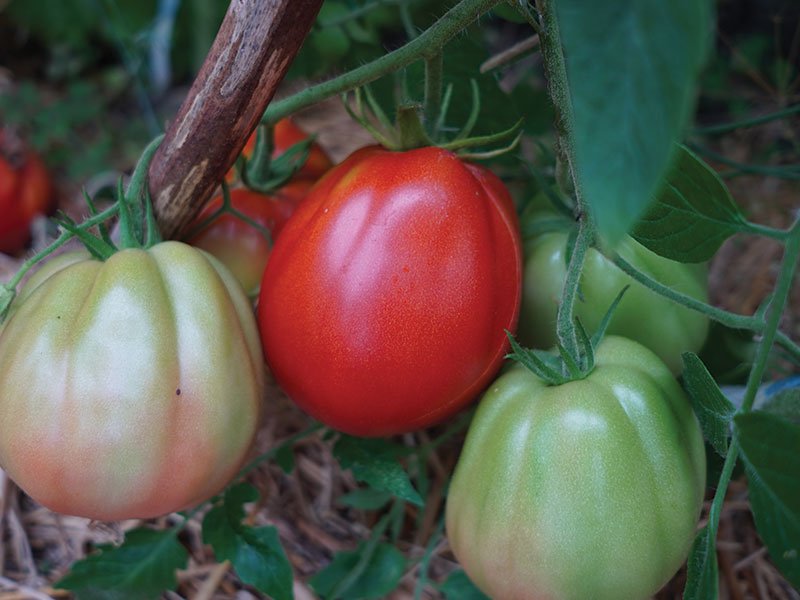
255, 45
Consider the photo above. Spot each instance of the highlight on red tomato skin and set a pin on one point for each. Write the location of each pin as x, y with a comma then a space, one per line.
242, 248
384, 304
129, 388
26, 191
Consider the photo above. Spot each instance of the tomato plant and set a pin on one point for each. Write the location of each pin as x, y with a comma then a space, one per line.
243, 248
244, 244
590, 489
25, 192
130, 387
384, 303
384, 307
668, 329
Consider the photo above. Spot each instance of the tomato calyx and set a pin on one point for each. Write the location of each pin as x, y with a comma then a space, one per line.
264, 174
137, 223
558, 369
410, 129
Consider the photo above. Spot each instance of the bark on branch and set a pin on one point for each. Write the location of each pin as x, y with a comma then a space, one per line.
255, 45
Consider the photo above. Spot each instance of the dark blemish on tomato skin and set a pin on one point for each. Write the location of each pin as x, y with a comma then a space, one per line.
178, 392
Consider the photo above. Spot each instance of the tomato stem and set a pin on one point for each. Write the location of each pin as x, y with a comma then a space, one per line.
791, 255
565, 326
770, 332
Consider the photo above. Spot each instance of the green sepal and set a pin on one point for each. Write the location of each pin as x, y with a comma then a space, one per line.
475, 109
411, 131
152, 232
127, 236
97, 247
512, 133
258, 165
571, 366
601, 329
280, 169
586, 347
101, 227
135, 207
545, 366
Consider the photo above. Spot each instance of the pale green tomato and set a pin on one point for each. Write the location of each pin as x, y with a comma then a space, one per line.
591, 489
130, 387
668, 329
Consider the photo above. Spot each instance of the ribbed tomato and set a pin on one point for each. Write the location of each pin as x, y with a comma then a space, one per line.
590, 489
130, 387
385, 301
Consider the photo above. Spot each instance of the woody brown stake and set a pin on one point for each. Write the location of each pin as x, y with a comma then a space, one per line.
252, 51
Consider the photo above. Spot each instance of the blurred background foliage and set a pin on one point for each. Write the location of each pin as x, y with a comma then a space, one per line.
104, 76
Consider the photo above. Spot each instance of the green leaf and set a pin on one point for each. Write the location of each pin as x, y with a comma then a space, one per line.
692, 214
627, 88
255, 552
375, 463
786, 404
140, 569
771, 455
459, 587
710, 405
379, 576
702, 570
366, 499
284, 457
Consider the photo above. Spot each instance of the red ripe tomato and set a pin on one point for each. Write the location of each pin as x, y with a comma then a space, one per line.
241, 247
25, 193
383, 306
285, 135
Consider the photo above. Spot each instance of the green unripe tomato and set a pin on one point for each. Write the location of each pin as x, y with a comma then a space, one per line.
129, 388
668, 329
591, 489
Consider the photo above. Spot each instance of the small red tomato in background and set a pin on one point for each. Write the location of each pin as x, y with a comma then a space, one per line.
244, 249
25, 192
384, 304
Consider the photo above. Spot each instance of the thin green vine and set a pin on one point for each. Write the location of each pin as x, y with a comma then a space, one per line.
427, 44
770, 333
730, 319
9, 288
752, 122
